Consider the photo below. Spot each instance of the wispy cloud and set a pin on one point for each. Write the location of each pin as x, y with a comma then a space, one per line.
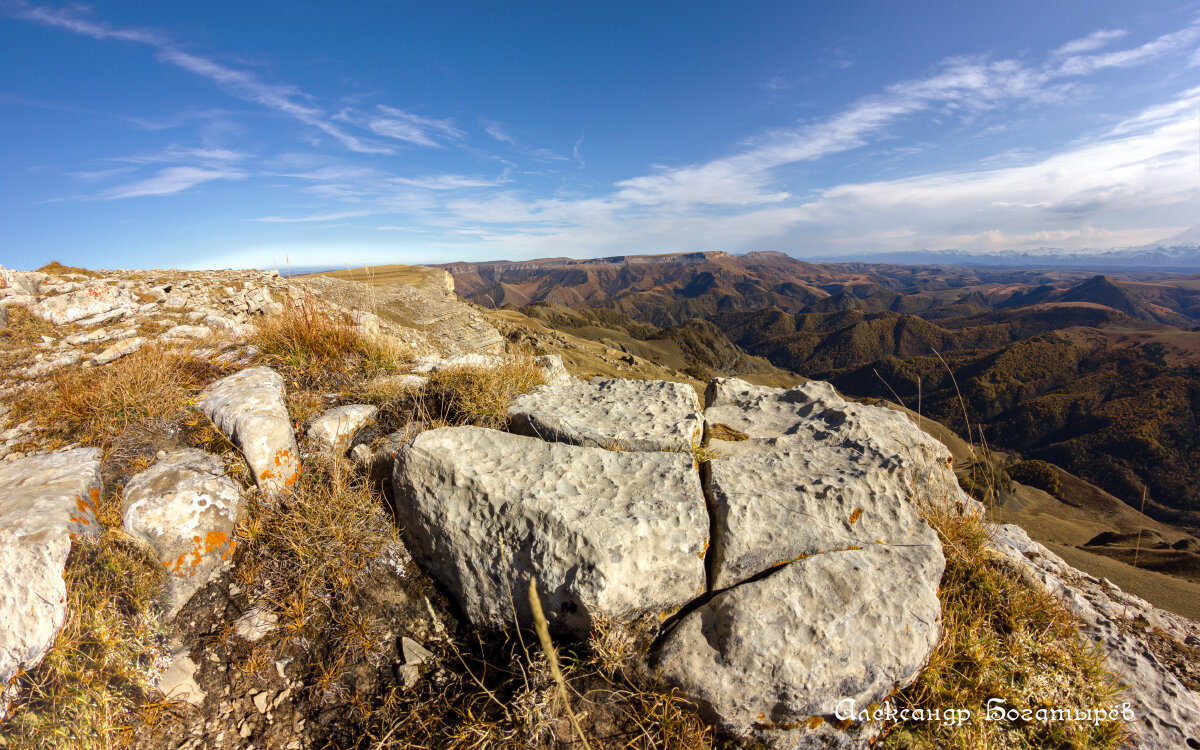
169, 181
445, 182
391, 122
1089, 43
242, 84
314, 217
497, 131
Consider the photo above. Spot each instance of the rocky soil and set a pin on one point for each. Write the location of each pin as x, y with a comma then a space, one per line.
770, 545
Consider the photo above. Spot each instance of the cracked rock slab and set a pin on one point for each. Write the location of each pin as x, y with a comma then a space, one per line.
186, 509
774, 506
45, 500
248, 407
337, 427
763, 658
639, 415
813, 415
605, 533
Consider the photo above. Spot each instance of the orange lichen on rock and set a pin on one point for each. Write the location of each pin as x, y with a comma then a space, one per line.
855, 515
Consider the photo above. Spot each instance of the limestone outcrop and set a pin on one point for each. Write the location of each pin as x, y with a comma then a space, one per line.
1166, 713
604, 533
248, 407
186, 509
45, 500
775, 505
638, 415
772, 658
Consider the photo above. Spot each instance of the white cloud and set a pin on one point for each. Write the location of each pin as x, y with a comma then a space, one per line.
240, 83
169, 181
497, 131
445, 182
1089, 43
406, 126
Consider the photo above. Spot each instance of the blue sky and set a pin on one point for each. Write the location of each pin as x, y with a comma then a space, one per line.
301, 133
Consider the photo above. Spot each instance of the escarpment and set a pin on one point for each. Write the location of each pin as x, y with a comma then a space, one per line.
345, 505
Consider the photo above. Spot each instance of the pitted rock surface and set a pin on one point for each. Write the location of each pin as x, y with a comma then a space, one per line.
44, 501
773, 506
813, 415
1167, 712
336, 427
248, 407
186, 509
762, 658
639, 415
618, 534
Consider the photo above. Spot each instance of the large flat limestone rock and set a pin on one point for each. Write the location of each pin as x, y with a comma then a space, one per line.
813, 415
773, 506
639, 415
605, 533
186, 509
44, 501
248, 407
763, 658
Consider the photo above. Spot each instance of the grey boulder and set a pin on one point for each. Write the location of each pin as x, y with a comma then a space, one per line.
604, 533
640, 415
1166, 713
84, 303
764, 659
336, 428
186, 509
742, 419
45, 500
773, 506
248, 407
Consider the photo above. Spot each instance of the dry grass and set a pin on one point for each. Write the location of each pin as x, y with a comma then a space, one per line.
307, 556
306, 337
59, 269
1003, 639
479, 396
94, 686
93, 406
502, 694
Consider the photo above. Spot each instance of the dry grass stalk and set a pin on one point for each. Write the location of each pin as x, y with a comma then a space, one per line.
306, 335
543, 632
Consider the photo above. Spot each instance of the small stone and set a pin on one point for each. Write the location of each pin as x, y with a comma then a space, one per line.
118, 350
414, 653
260, 702
336, 427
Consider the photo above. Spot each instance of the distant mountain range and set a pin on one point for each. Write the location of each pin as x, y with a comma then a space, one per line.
1180, 252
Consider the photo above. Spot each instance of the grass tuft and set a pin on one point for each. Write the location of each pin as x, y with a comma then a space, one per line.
477, 395
94, 688
306, 336
1003, 639
59, 269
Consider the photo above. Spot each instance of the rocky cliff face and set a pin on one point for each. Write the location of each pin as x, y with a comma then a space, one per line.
769, 545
